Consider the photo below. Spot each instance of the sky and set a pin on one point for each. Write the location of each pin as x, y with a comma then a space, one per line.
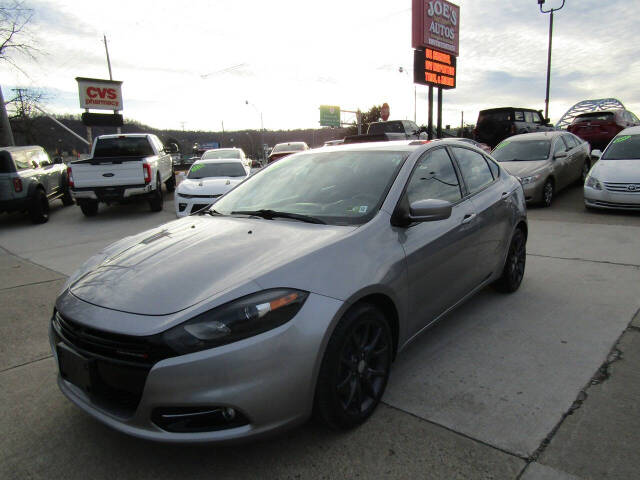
195, 63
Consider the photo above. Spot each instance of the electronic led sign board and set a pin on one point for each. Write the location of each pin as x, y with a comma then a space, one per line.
434, 68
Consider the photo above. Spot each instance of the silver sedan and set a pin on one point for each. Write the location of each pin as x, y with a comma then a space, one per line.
292, 294
545, 162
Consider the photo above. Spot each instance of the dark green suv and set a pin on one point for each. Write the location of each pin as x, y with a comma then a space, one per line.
29, 180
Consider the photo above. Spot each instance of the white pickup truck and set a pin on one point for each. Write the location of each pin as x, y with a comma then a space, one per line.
122, 168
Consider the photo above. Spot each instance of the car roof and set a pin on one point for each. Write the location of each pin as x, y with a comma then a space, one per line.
220, 160
118, 135
630, 131
393, 146
503, 109
22, 149
225, 149
536, 136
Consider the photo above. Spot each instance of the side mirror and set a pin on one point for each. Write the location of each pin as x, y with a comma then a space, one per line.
429, 210
57, 160
596, 154
547, 121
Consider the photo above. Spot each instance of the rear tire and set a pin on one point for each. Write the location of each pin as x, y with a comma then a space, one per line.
171, 183
89, 208
355, 368
513, 271
156, 201
39, 207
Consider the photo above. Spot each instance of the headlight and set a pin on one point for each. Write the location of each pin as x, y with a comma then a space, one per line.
593, 182
233, 321
529, 179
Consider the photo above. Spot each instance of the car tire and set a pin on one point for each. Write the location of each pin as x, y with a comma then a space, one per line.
89, 208
547, 193
171, 183
586, 166
67, 198
355, 368
39, 207
513, 271
156, 200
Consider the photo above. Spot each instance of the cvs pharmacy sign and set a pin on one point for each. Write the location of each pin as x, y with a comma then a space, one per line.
100, 94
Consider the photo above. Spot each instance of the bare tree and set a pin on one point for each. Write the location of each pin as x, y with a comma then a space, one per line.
22, 112
15, 36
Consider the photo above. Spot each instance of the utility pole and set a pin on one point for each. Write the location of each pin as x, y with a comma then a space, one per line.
106, 49
6, 135
546, 100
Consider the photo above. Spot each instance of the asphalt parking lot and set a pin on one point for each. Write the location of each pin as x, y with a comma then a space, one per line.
541, 384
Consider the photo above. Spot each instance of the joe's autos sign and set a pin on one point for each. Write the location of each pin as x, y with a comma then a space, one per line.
436, 24
100, 94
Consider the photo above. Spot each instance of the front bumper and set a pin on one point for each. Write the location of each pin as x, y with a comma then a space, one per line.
533, 191
269, 378
611, 200
186, 206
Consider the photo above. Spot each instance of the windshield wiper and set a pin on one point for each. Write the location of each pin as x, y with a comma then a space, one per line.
271, 214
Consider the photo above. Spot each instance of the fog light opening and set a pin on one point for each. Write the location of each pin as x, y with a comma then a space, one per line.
229, 414
197, 419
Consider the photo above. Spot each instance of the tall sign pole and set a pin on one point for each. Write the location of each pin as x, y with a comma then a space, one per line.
546, 98
436, 42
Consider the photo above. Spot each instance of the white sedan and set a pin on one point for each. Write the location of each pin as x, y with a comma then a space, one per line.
206, 181
614, 181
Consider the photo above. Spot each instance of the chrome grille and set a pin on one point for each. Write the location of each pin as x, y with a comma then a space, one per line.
622, 187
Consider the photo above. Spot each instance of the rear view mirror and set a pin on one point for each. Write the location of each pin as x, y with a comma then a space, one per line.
596, 154
429, 210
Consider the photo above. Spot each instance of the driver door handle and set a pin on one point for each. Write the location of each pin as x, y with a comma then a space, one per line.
467, 218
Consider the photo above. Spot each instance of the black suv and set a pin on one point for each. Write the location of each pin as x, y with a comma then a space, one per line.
496, 124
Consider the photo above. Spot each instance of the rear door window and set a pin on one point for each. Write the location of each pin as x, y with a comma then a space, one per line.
474, 168
528, 117
434, 177
21, 160
537, 118
559, 146
519, 116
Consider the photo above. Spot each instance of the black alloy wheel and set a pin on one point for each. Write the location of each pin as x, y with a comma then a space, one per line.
513, 271
547, 193
355, 368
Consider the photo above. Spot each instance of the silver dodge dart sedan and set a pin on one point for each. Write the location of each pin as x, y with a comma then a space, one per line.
292, 294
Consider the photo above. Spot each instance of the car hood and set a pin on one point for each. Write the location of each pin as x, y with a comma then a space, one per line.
522, 169
208, 186
177, 265
617, 171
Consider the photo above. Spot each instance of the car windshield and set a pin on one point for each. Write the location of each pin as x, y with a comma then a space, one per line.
123, 147
220, 154
340, 188
591, 117
623, 147
288, 147
205, 170
521, 151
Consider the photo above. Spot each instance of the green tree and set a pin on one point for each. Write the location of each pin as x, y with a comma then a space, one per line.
370, 116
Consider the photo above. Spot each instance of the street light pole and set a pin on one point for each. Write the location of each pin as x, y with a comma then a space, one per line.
261, 131
546, 100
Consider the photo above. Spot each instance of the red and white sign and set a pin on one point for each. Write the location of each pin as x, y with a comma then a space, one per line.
100, 94
384, 112
436, 24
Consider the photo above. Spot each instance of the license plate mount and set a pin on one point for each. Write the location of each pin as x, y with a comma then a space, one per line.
75, 368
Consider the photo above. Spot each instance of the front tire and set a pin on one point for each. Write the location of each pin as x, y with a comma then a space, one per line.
39, 207
156, 201
355, 368
585, 172
67, 198
547, 193
513, 271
